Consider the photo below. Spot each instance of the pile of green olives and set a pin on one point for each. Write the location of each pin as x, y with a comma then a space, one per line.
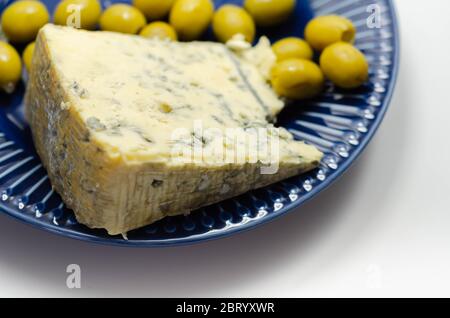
295, 74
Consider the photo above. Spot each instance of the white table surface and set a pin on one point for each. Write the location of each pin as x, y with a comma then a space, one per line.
382, 230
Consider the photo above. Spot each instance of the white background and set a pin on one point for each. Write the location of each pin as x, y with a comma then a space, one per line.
382, 230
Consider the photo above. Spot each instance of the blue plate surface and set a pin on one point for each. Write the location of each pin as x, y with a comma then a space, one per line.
340, 123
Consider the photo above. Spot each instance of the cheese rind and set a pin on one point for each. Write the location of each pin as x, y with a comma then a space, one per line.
115, 120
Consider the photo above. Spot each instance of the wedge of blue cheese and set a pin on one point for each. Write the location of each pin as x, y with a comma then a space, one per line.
126, 126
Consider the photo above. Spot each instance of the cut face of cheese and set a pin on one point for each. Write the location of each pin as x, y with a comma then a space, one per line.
132, 130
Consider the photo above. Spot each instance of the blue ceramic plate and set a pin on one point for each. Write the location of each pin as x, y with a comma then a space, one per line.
339, 123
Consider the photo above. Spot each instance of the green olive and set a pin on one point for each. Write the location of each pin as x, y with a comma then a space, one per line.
27, 55
269, 12
344, 65
230, 20
292, 48
159, 29
191, 18
122, 18
297, 79
89, 10
22, 20
154, 9
10, 67
323, 31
